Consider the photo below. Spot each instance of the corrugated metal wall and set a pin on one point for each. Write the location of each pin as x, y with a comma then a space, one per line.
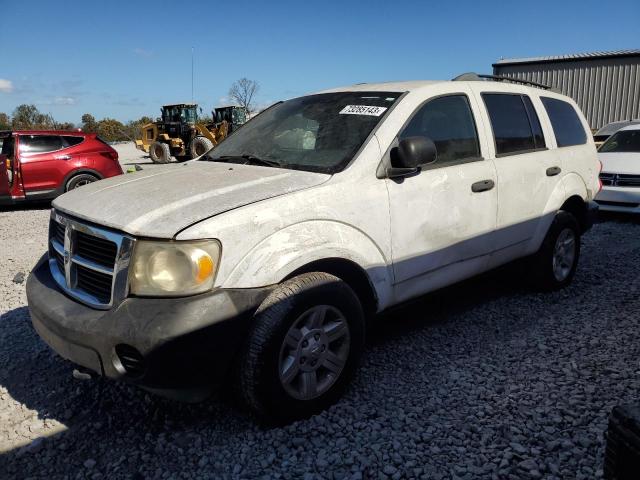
607, 89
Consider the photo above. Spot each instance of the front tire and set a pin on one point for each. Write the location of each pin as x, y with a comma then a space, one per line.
303, 348
199, 146
554, 265
160, 152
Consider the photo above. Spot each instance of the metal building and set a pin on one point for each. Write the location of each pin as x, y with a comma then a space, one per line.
606, 85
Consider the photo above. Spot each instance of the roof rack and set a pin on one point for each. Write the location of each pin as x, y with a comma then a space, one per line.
472, 76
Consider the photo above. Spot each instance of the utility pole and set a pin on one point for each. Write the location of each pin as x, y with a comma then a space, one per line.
192, 74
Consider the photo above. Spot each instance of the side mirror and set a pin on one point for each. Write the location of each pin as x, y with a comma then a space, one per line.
411, 154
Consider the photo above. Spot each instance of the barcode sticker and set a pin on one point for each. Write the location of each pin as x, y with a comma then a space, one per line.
362, 110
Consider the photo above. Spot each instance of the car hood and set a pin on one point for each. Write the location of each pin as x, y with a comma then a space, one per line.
161, 201
620, 162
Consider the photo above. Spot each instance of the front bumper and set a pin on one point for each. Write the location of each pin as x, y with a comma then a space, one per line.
619, 199
176, 346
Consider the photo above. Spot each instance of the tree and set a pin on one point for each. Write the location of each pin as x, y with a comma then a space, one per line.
5, 121
27, 117
111, 130
242, 92
64, 126
89, 124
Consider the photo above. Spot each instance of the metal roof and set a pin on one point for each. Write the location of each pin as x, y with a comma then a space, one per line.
569, 58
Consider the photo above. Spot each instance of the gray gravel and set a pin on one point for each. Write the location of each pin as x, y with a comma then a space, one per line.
483, 380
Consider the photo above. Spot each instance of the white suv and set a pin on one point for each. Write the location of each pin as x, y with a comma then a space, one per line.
260, 262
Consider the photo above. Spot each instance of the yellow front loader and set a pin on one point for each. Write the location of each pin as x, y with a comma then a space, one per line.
179, 134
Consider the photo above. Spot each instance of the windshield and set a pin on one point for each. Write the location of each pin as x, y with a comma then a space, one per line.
318, 133
622, 141
179, 114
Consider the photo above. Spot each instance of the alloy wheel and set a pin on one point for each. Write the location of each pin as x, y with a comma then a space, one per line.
314, 352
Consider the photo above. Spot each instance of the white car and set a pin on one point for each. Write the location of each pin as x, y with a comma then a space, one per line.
620, 176
260, 263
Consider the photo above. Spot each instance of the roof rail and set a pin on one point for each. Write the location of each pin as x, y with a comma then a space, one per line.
472, 76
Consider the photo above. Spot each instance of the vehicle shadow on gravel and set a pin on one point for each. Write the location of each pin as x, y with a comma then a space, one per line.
35, 205
42, 381
93, 410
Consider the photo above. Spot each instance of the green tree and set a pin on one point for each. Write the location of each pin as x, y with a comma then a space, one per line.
5, 121
65, 126
29, 117
89, 124
133, 128
111, 130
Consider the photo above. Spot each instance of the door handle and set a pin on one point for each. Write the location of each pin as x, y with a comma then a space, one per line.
552, 171
482, 186
63, 157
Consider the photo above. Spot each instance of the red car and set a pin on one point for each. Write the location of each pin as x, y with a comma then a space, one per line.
42, 164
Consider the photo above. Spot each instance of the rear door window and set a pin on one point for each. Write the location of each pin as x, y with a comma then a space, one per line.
566, 124
534, 121
510, 123
40, 143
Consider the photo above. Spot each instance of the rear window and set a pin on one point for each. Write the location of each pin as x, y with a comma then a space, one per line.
40, 143
566, 124
72, 141
511, 123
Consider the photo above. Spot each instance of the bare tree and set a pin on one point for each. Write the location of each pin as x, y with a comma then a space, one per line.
242, 92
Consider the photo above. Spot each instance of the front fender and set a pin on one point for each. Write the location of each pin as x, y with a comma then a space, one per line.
295, 246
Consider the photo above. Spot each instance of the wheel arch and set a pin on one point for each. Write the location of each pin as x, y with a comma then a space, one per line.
349, 272
76, 172
318, 245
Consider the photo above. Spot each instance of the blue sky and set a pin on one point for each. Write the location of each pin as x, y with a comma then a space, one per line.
124, 59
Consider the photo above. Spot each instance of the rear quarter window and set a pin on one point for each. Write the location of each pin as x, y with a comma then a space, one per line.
70, 141
565, 121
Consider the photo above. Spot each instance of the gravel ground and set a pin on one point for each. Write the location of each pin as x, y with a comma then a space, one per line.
482, 380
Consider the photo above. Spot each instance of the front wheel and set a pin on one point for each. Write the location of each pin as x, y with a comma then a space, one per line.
554, 265
160, 152
303, 348
199, 146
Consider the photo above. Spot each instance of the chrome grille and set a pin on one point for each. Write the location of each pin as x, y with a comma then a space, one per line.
620, 180
607, 178
625, 180
89, 263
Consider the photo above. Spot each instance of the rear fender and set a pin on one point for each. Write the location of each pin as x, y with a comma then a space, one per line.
569, 186
295, 246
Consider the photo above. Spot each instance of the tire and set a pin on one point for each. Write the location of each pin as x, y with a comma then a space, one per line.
553, 266
199, 146
78, 181
160, 152
262, 367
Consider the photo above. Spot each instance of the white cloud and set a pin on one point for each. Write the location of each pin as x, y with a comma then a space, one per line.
141, 52
64, 101
6, 86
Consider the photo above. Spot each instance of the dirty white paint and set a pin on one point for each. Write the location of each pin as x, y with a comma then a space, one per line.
410, 236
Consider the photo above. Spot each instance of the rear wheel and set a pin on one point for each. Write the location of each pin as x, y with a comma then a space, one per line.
303, 348
554, 265
199, 146
160, 152
79, 181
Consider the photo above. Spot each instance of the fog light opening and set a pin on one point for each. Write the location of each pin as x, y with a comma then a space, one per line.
129, 361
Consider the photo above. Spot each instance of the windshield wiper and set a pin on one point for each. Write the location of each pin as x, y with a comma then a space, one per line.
249, 159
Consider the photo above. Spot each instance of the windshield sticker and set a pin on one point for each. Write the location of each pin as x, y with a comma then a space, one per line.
362, 110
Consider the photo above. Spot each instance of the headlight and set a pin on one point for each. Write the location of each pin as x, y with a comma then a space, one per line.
173, 268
